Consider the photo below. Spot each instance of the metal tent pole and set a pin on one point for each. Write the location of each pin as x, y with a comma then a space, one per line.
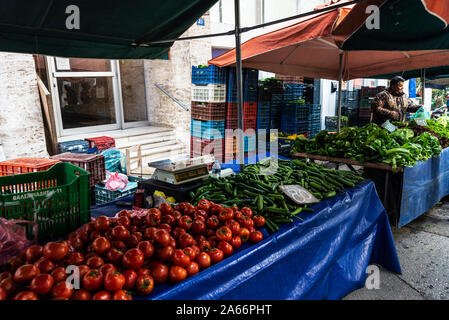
238, 71
340, 76
423, 83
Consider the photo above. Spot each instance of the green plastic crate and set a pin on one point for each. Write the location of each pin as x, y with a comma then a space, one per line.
56, 199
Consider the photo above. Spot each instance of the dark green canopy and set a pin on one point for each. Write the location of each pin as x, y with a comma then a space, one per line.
113, 29
431, 74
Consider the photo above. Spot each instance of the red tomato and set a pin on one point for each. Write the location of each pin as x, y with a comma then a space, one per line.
26, 295
244, 234
185, 240
189, 209
8, 286
42, 284
180, 258
133, 259
82, 294
193, 268
256, 236
33, 253
130, 279
165, 208
106, 268
213, 240
251, 229
224, 234
94, 262
236, 242
203, 260
45, 265
26, 272
83, 235
259, 221
204, 245
177, 232
114, 281
101, 245
196, 249
247, 212
190, 252
75, 258
5, 275
124, 221
215, 209
199, 217
226, 247
235, 208
198, 227
201, 213
177, 215
177, 274
162, 237
119, 245
144, 271
102, 295
122, 295
144, 285
124, 213
234, 226
169, 219
138, 235
165, 254
2, 294
56, 250
153, 219
226, 214
102, 223
83, 269
156, 212
149, 232
216, 255
238, 215
120, 233
213, 222
165, 226
246, 222
133, 229
159, 272
114, 256
147, 249
204, 204
62, 289
94, 235
180, 207
93, 280
59, 274
13, 263
132, 242
185, 222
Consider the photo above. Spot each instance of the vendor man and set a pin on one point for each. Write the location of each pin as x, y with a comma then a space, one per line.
392, 103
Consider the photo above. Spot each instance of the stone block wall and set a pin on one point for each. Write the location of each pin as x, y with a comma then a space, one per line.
21, 124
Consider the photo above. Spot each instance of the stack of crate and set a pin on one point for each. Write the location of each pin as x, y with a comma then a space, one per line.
367, 95
208, 111
250, 92
349, 106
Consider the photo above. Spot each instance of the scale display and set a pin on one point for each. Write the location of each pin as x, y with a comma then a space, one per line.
183, 176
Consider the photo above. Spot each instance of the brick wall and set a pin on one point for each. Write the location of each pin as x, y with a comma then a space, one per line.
174, 76
21, 125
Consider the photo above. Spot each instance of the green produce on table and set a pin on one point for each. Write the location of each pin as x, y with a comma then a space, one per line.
372, 143
257, 187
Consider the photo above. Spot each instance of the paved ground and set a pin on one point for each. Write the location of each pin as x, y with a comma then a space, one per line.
423, 250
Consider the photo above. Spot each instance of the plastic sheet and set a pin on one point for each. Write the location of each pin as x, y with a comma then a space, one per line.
423, 186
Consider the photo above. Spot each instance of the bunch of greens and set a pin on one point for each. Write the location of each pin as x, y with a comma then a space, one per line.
372, 143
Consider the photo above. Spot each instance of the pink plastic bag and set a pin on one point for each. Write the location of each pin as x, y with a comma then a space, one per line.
116, 181
13, 238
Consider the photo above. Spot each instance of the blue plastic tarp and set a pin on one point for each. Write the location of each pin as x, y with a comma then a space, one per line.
325, 256
423, 186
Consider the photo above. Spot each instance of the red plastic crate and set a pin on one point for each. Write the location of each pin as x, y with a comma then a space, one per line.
248, 124
102, 143
201, 147
208, 111
93, 163
249, 110
25, 165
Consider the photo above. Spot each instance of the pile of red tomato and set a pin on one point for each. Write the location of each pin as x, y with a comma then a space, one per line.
119, 257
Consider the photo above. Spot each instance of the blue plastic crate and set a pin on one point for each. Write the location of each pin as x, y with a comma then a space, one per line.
74, 146
263, 109
249, 93
263, 123
208, 129
211, 74
291, 86
293, 112
277, 98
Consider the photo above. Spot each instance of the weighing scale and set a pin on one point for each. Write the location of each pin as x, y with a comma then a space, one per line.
181, 170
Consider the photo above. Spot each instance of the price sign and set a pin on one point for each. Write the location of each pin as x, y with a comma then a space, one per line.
421, 122
298, 194
389, 126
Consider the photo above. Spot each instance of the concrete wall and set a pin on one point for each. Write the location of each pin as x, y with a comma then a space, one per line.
174, 76
21, 124
132, 79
